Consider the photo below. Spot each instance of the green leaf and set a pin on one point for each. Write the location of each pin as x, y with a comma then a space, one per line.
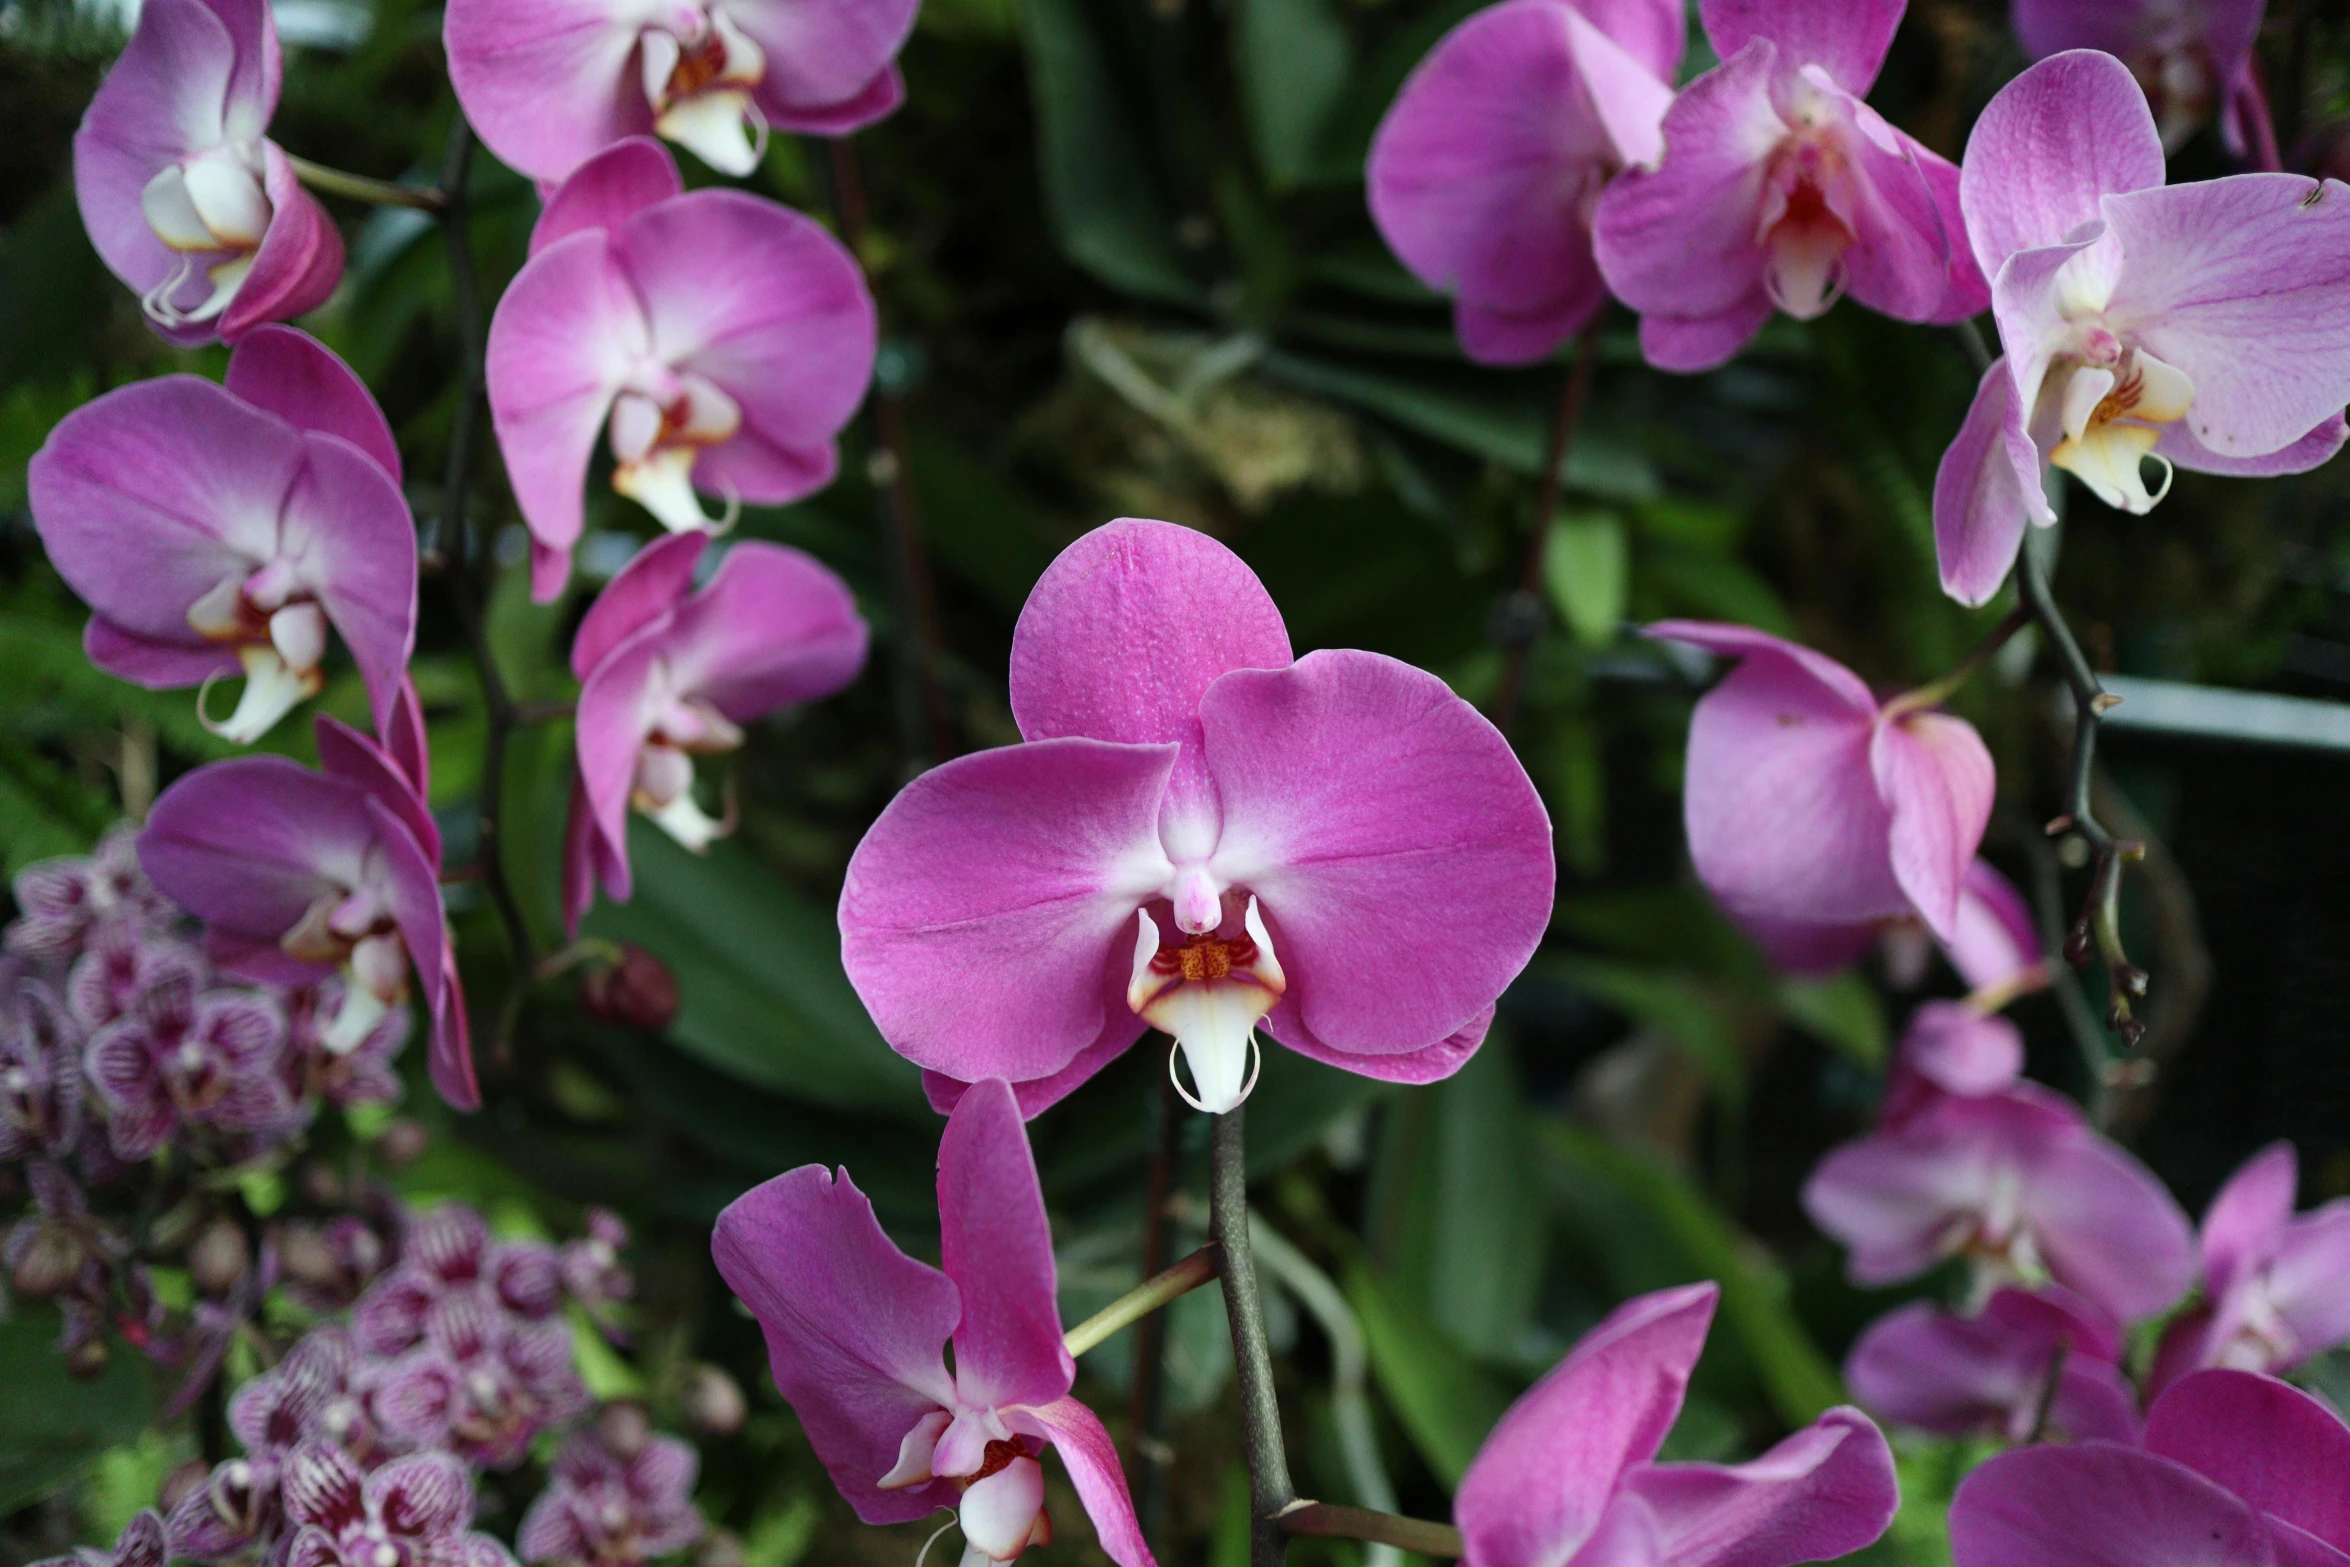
51, 1425
1293, 60
1588, 569
1444, 1401
1844, 1012
1681, 1005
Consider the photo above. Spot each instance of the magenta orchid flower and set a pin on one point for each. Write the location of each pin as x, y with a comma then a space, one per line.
855, 1330
64, 904
1992, 944
41, 1102
1569, 1475
303, 874
2202, 326
1780, 188
2276, 1285
551, 83
1987, 1374
667, 674
184, 195
184, 1057
610, 1509
413, 1509
481, 1383
1198, 834
213, 529
2190, 56
720, 339
140, 1544
2236, 1468
1485, 172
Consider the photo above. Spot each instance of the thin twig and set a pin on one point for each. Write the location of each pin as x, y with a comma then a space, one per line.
1140, 1303
380, 193
1327, 1521
1526, 603
1149, 1458
1270, 1491
2048, 1389
1940, 689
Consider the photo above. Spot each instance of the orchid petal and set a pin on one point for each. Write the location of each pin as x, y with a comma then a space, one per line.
652, 584
1995, 946
2314, 450
291, 374
1092, 1460
773, 628
1936, 778
1824, 1492
2267, 1441
546, 82
828, 61
998, 1249
1848, 38
346, 527
2247, 1221
2305, 1281
1434, 1064
2096, 1504
250, 844
1987, 1375
607, 190
2053, 142
1987, 488
300, 259
2108, 1228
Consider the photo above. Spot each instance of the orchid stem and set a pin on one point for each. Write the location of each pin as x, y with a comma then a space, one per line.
1328, 1521
1939, 690
1270, 1491
1145, 1298
380, 193
1526, 603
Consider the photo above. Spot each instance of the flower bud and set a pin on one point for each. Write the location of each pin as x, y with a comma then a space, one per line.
402, 1143
86, 1359
182, 1482
722, 1549
48, 1264
636, 992
322, 1184
624, 1428
714, 1402
216, 1262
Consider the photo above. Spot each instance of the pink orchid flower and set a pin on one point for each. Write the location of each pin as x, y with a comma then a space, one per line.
2188, 55
551, 83
2202, 326
184, 196
2276, 1285
2236, 1468
1569, 1475
855, 1330
1484, 173
412, 1510
1198, 834
1781, 189
217, 529
1992, 944
1987, 1374
725, 340
667, 674
303, 874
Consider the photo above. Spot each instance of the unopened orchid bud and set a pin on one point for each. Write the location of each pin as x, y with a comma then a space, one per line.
714, 1402
624, 1428
403, 1142
86, 1359
49, 1262
637, 992
182, 1483
216, 1262
724, 1548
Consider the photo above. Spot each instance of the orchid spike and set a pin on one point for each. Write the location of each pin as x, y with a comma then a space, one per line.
1485, 172
184, 195
668, 673
2190, 56
219, 529
2202, 326
1199, 834
1781, 189
2276, 1285
720, 340
1988, 1373
855, 1330
1570, 1473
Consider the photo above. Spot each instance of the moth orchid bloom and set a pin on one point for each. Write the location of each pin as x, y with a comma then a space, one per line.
1992, 944
721, 339
856, 1329
183, 194
1198, 834
2190, 57
1570, 1473
2276, 1286
2202, 326
1781, 189
668, 674
2236, 1467
413, 1509
303, 874
1949, 1048
551, 83
1484, 174
218, 529
1987, 1374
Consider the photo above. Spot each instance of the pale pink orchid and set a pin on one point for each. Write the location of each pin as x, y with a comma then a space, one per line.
668, 673
2236, 1468
856, 1329
1485, 172
2276, 1284
1992, 945
1780, 189
184, 195
2202, 326
1569, 1475
219, 529
1988, 1373
721, 340
2191, 56
551, 83
1199, 834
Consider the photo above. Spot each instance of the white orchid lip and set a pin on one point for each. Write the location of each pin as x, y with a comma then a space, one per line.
211, 203
1210, 993
2112, 407
699, 86
663, 784
1802, 236
280, 638
356, 932
658, 430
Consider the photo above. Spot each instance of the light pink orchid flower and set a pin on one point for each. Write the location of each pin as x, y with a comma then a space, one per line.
2191, 57
214, 529
1781, 189
2276, 1285
1992, 944
1987, 1373
1569, 1475
1198, 834
1484, 173
2202, 326
667, 674
183, 194
720, 340
551, 83
855, 1330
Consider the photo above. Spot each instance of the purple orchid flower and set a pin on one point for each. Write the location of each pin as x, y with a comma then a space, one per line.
2236, 1467
303, 874
667, 674
359, 1074
482, 1383
184, 1057
2276, 1285
412, 1510
608, 1510
1780, 188
1197, 834
722, 339
2189, 56
141, 1544
63, 903
855, 1330
449, 1252
551, 83
185, 197
1950, 1049
593, 1273
1570, 1474
1993, 945
217, 528
1485, 172
59, 1252
41, 1109
1987, 1374
330, 1264
2202, 326
119, 965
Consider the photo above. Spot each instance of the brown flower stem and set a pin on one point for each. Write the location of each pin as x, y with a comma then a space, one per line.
1270, 1491
1328, 1521
1526, 609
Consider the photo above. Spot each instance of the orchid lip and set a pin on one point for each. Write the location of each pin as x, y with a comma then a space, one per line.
699, 89
273, 688
1210, 994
